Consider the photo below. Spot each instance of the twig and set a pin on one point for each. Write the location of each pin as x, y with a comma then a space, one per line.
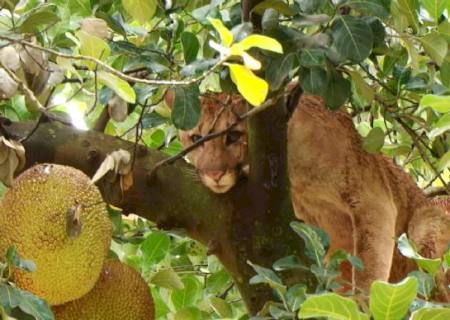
115, 71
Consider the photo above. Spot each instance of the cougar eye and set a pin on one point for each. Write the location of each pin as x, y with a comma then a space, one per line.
232, 137
195, 138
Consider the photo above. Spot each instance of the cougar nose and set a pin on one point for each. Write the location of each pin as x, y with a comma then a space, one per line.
216, 174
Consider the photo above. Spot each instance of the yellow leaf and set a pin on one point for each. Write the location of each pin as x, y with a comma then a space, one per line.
225, 35
262, 42
252, 88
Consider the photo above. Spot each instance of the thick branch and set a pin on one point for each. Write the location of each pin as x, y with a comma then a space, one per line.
250, 222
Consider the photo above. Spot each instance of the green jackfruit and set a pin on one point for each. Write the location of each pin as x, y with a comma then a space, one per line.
57, 218
120, 293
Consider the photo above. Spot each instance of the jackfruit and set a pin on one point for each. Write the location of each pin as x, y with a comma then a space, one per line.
36, 216
120, 293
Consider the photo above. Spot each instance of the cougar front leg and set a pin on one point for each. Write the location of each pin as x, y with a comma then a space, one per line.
374, 242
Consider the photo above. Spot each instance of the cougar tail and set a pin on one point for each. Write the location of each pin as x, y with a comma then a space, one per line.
429, 229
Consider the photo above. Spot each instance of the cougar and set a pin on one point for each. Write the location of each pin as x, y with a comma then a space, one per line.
363, 201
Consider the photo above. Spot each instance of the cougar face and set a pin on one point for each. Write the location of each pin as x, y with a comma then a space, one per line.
219, 162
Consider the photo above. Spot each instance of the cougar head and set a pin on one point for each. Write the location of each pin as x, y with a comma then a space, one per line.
220, 161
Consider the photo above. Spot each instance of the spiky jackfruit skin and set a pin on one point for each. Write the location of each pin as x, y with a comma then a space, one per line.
33, 218
119, 294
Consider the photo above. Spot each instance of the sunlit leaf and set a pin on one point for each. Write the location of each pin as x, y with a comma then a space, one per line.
119, 86
439, 103
262, 42
391, 301
141, 10
434, 7
330, 306
252, 88
435, 46
431, 314
221, 307
225, 35
187, 296
361, 86
93, 46
406, 248
374, 141
279, 5
167, 278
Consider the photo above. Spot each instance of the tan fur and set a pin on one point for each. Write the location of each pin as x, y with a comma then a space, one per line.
218, 164
363, 201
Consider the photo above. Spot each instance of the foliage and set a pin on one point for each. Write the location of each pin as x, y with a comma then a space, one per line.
17, 302
406, 299
185, 283
388, 59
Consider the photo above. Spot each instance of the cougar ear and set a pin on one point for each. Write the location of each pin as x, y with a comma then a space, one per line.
169, 97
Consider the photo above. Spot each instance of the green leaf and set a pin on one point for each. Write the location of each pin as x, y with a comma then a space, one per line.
13, 258
370, 7
191, 45
310, 58
353, 38
296, 295
431, 314
280, 68
391, 301
186, 107
167, 278
331, 306
289, 262
221, 307
441, 126
435, 8
279, 5
425, 282
34, 306
9, 296
189, 295
406, 249
445, 74
444, 161
191, 313
92, 46
267, 276
444, 29
337, 92
119, 86
140, 10
155, 247
435, 46
310, 6
314, 242
218, 282
374, 141
439, 103
251, 87
363, 89
314, 80
409, 9
32, 22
